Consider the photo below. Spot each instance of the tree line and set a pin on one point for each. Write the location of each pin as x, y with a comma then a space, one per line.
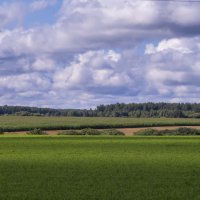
174, 110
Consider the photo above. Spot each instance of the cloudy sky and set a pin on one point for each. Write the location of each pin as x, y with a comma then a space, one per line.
81, 53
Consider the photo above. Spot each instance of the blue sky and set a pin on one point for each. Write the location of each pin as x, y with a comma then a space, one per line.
82, 53
36, 13
48, 15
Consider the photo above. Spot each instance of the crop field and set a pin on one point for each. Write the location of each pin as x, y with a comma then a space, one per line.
18, 123
99, 168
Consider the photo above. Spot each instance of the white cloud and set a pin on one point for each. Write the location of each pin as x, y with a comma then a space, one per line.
24, 82
98, 72
44, 64
10, 13
173, 69
94, 54
175, 44
185, 14
94, 25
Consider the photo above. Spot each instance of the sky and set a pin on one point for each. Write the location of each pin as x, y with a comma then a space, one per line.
82, 53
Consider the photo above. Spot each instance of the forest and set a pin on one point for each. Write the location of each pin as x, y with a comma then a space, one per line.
138, 110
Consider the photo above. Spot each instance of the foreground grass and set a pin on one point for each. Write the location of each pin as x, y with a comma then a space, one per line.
19, 123
99, 168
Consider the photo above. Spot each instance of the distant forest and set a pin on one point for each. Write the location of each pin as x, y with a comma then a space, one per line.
174, 110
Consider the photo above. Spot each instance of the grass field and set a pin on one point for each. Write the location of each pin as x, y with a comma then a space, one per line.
99, 168
17, 123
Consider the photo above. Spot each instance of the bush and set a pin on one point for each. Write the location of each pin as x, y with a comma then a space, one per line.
1, 131
148, 131
183, 131
112, 132
187, 131
36, 131
70, 132
89, 131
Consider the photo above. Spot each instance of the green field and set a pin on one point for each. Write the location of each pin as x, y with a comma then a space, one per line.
99, 168
18, 123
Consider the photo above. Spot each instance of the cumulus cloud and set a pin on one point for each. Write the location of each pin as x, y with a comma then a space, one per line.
43, 64
99, 72
173, 68
25, 82
10, 13
123, 17
94, 53
99, 24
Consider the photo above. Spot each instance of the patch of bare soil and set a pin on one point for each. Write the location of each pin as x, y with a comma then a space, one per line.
53, 132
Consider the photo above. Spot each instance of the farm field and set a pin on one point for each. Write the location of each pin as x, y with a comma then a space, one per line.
100, 168
19, 123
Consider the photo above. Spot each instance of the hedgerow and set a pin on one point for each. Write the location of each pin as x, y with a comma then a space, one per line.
112, 132
36, 131
183, 131
90, 131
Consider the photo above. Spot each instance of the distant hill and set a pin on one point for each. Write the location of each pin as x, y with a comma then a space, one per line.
171, 110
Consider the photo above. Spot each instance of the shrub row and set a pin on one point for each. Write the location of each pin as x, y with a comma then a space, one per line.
36, 131
89, 131
112, 132
180, 131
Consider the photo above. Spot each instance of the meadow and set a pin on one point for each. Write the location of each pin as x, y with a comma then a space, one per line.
99, 168
21, 123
